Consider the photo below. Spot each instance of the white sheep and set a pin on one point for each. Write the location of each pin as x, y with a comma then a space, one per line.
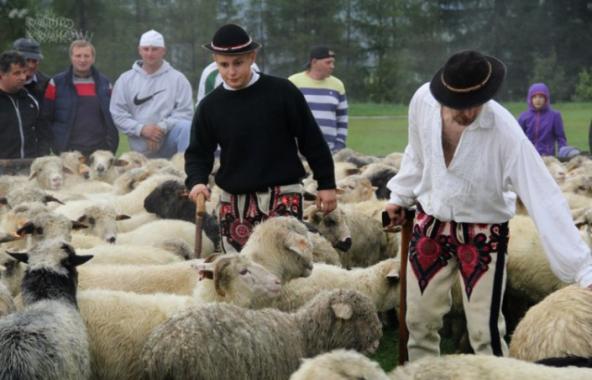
133, 159
100, 218
280, 245
323, 251
360, 239
103, 166
129, 180
478, 367
48, 171
339, 365
46, 340
355, 188
128, 254
379, 282
119, 323
558, 326
221, 341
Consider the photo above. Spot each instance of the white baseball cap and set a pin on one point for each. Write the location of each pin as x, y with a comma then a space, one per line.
152, 38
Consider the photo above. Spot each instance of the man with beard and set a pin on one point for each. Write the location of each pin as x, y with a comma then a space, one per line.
466, 161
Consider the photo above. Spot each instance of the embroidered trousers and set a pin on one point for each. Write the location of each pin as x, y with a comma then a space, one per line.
442, 253
240, 213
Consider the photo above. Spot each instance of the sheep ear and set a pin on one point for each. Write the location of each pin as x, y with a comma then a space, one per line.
182, 194
3, 201
76, 225
122, 217
393, 276
82, 219
22, 257
33, 175
67, 171
352, 171
339, 190
342, 310
50, 198
204, 270
77, 260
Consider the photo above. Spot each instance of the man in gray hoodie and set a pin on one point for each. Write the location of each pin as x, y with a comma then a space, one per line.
152, 102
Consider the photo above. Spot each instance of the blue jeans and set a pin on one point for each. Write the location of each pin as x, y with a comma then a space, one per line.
176, 140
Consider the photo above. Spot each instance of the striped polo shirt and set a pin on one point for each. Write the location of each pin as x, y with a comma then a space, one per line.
328, 103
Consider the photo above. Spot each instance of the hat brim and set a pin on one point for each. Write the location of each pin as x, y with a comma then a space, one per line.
462, 100
28, 55
247, 49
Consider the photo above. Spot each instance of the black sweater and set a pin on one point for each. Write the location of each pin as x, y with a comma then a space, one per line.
18, 118
260, 130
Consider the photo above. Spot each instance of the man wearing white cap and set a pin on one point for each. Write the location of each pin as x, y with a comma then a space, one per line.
152, 102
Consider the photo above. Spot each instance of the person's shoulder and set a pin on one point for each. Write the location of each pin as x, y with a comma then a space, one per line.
336, 83
297, 76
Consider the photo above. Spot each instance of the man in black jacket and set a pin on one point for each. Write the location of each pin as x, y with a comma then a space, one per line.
260, 122
18, 110
36, 81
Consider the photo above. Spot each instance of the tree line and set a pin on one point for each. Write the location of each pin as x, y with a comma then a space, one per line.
385, 48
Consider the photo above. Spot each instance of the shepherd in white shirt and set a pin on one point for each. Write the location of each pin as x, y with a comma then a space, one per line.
465, 161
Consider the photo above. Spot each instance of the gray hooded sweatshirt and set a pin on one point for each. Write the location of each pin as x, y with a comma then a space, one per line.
163, 97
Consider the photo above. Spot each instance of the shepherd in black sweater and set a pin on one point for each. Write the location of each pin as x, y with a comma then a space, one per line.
260, 123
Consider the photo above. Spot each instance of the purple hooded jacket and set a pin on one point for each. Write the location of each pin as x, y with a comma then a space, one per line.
543, 127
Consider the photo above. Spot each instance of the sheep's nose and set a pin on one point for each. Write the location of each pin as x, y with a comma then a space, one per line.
111, 240
100, 169
344, 245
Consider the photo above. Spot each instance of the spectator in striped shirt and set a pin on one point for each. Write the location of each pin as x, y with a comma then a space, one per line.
75, 111
325, 95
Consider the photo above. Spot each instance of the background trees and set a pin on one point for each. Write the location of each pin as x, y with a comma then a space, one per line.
385, 48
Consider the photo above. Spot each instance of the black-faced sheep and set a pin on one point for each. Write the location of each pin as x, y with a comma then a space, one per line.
47, 340
220, 341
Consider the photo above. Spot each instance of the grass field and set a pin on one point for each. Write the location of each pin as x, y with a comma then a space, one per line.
380, 129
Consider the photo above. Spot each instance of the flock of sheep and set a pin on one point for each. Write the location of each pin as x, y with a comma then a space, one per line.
98, 280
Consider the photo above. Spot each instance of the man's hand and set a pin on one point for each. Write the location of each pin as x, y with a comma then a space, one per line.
326, 200
200, 188
396, 214
152, 132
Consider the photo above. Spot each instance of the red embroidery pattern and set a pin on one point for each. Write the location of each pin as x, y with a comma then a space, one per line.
434, 242
236, 230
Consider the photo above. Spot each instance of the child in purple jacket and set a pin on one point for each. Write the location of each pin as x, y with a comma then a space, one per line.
542, 124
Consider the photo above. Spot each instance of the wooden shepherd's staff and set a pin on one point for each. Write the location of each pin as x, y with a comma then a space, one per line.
200, 210
406, 231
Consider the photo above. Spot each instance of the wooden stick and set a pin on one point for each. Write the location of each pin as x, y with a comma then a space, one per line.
200, 210
406, 231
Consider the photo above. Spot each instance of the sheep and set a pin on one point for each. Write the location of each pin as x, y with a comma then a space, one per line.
355, 188
133, 159
100, 218
279, 244
46, 340
581, 185
128, 204
322, 250
169, 201
12, 273
221, 341
49, 225
178, 161
379, 282
129, 180
282, 246
103, 166
119, 323
48, 171
129, 254
379, 174
477, 367
23, 194
159, 230
339, 365
8, 182
359, 237
558, 326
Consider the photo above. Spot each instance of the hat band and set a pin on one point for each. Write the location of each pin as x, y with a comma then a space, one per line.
468, 89
231, 48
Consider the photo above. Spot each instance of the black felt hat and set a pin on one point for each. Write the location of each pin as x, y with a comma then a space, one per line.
28, 47
231, 39
468, 79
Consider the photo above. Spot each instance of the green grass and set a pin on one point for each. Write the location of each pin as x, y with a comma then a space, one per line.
380, 129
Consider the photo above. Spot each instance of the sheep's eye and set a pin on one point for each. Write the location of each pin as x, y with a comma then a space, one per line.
91, 221
39, 230
330, 223
243, 272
